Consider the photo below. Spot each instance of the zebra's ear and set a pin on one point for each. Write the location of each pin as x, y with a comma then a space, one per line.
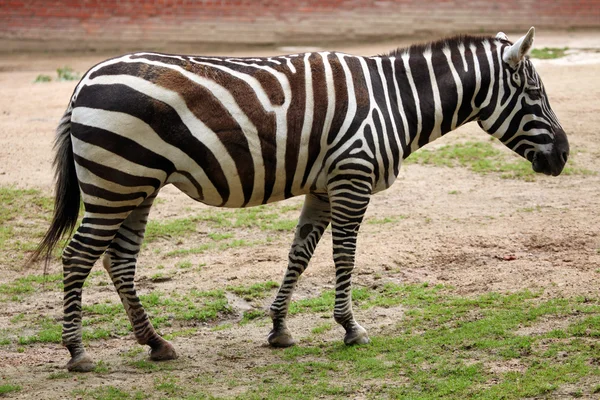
515, 53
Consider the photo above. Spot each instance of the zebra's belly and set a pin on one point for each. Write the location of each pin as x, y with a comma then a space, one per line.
202, 190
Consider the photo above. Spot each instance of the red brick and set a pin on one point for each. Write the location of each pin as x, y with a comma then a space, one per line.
256, 21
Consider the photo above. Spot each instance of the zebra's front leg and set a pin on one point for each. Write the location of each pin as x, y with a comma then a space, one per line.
348, 206
120, 262
313, 221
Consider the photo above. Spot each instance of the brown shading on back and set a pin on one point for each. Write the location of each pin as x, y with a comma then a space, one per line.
208, 109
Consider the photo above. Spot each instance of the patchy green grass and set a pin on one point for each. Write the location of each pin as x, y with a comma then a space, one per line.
322, 328
9, 388
261, 218
220, 236
108, 393
102, 367
24, 217
484, 158
59, 375
255, 291
252, 315
222, 327
160, 277
547, 53
291, 207
184, 264
150, 366
168, 229
192, 306
19, 235
265, 218
48, 331
444, 346
324, 302
193, 250
134, 351
213, 246
168, 385
43, 329
67, 73
447, 346
41, 78
179, 312
182, 333
27, 285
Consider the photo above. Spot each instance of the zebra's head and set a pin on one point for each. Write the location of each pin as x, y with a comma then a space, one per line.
523, 119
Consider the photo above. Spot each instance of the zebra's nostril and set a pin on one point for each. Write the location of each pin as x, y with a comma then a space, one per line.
564, 156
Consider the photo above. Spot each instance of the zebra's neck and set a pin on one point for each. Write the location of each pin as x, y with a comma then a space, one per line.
443, 85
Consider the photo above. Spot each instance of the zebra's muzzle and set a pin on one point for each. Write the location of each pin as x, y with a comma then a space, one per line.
552, 162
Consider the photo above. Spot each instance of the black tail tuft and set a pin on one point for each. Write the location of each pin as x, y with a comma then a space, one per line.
67, 196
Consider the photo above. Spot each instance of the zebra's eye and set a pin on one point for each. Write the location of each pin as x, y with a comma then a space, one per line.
534, 93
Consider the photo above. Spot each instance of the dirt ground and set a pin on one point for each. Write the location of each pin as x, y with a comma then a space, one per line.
478, 233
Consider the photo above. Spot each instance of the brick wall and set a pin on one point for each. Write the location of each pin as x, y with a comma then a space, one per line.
104, 24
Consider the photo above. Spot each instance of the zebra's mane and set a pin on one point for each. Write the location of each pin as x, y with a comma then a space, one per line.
466, 40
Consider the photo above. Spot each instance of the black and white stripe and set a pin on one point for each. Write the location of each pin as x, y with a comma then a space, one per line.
239, 132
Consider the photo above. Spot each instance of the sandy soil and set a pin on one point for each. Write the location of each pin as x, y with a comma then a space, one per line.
478, 233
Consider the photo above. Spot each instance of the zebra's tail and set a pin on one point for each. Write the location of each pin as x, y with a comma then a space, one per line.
66, 197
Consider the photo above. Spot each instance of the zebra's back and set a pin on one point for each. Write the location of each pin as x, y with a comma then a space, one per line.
227, 131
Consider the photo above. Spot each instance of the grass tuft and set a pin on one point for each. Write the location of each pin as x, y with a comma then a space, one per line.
108, 393
67, 73
24, 217
42, 78
9, 388
252, 315
255, 291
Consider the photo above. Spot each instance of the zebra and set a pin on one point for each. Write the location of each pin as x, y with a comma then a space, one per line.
240, 132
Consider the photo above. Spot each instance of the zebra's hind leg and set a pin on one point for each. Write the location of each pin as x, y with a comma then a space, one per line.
349, 202
89, 242
120, 261
313, 221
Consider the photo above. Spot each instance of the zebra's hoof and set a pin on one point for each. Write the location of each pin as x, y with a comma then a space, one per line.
81, 363
163, 351
282, 338
356, 335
